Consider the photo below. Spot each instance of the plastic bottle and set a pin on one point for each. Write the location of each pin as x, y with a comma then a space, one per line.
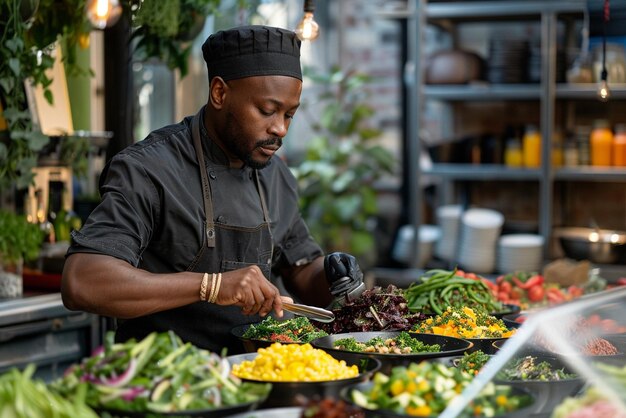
601, 141
532, 147
513, 156
619, 146
557, 149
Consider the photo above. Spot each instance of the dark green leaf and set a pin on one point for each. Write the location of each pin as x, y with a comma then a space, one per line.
14, 65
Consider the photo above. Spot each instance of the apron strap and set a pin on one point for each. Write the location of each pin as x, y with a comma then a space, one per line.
266, 215
206, 186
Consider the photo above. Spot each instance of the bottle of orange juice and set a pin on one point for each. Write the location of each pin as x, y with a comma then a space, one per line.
619, 146
513, 156
532, 147
601, 141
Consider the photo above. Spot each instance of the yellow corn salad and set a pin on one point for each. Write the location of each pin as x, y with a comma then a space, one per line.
294, 363
464, 323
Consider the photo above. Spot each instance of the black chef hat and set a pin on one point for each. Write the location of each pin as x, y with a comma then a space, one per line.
249, 51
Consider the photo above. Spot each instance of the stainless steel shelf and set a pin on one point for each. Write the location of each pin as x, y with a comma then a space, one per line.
617, 174
483, 92
502, 9
452, 171
491, 172
588, 91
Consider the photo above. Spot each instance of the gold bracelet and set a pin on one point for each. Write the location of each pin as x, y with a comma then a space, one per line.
203, 286
213, 283
213, 297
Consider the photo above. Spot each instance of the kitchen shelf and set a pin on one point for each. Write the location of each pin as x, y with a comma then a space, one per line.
548, 95
517, 92
518, 10
451, 171
498, 172
601, 174
483, 91
588, 91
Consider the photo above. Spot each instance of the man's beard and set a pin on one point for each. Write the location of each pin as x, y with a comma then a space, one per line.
236, 144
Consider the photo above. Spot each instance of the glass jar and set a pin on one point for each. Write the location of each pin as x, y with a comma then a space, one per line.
532, 147
582, 144
601, 141
513, 156
570, 152
557, 149
619, 146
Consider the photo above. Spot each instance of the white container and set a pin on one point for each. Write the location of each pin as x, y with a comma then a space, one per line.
428, 235
449, 220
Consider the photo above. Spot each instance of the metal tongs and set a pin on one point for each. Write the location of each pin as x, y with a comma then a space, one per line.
311, 312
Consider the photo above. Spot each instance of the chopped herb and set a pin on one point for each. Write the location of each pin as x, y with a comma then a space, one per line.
402, 344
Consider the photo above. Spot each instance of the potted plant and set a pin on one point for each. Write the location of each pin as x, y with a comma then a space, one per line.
164, 28
20, 241
341, 165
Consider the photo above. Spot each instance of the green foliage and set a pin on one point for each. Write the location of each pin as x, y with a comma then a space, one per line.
18, 237
342, 163
26, 45
163, 28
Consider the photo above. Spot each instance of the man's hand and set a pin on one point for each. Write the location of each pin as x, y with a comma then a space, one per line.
248, 288
344, 276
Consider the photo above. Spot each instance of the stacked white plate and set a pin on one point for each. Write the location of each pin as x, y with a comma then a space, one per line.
520, 252
480, 230
449, 220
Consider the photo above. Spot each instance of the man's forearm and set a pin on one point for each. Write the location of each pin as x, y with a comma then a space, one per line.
108, 286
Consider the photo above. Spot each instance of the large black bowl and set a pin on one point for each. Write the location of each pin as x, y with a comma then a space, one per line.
345, 394
288, 412
251, 345
449, 346
204, 413
507, 309
285, 393
486, 345
548, 394
511, 320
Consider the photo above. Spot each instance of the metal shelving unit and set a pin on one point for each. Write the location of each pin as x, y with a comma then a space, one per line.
547, 93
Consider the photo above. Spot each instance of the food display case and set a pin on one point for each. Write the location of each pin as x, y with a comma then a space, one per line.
580, 337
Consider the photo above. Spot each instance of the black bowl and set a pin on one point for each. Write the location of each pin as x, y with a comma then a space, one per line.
285, 393
251, 345
449, 346
345, 394
507, 309
203, 413
550, 393
486, 345
511, 320
288, 412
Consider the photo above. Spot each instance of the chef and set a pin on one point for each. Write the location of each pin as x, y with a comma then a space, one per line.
197, 219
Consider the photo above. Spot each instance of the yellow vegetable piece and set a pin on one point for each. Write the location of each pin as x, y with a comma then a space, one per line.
294, 363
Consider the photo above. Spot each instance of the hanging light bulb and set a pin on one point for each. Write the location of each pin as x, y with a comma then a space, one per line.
603, 88
308, 29
103, 13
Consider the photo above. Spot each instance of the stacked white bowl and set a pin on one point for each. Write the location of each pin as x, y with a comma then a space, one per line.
519, 252
402, 249
480, 230
449, 220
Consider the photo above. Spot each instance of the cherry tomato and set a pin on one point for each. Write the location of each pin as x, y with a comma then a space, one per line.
536, 293
505, 287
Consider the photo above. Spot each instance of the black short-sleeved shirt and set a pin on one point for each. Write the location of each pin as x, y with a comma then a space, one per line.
151, 214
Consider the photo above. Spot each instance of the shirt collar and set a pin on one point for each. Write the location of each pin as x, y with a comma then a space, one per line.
212, 150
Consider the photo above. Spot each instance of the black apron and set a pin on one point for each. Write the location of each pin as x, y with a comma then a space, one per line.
226, 247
